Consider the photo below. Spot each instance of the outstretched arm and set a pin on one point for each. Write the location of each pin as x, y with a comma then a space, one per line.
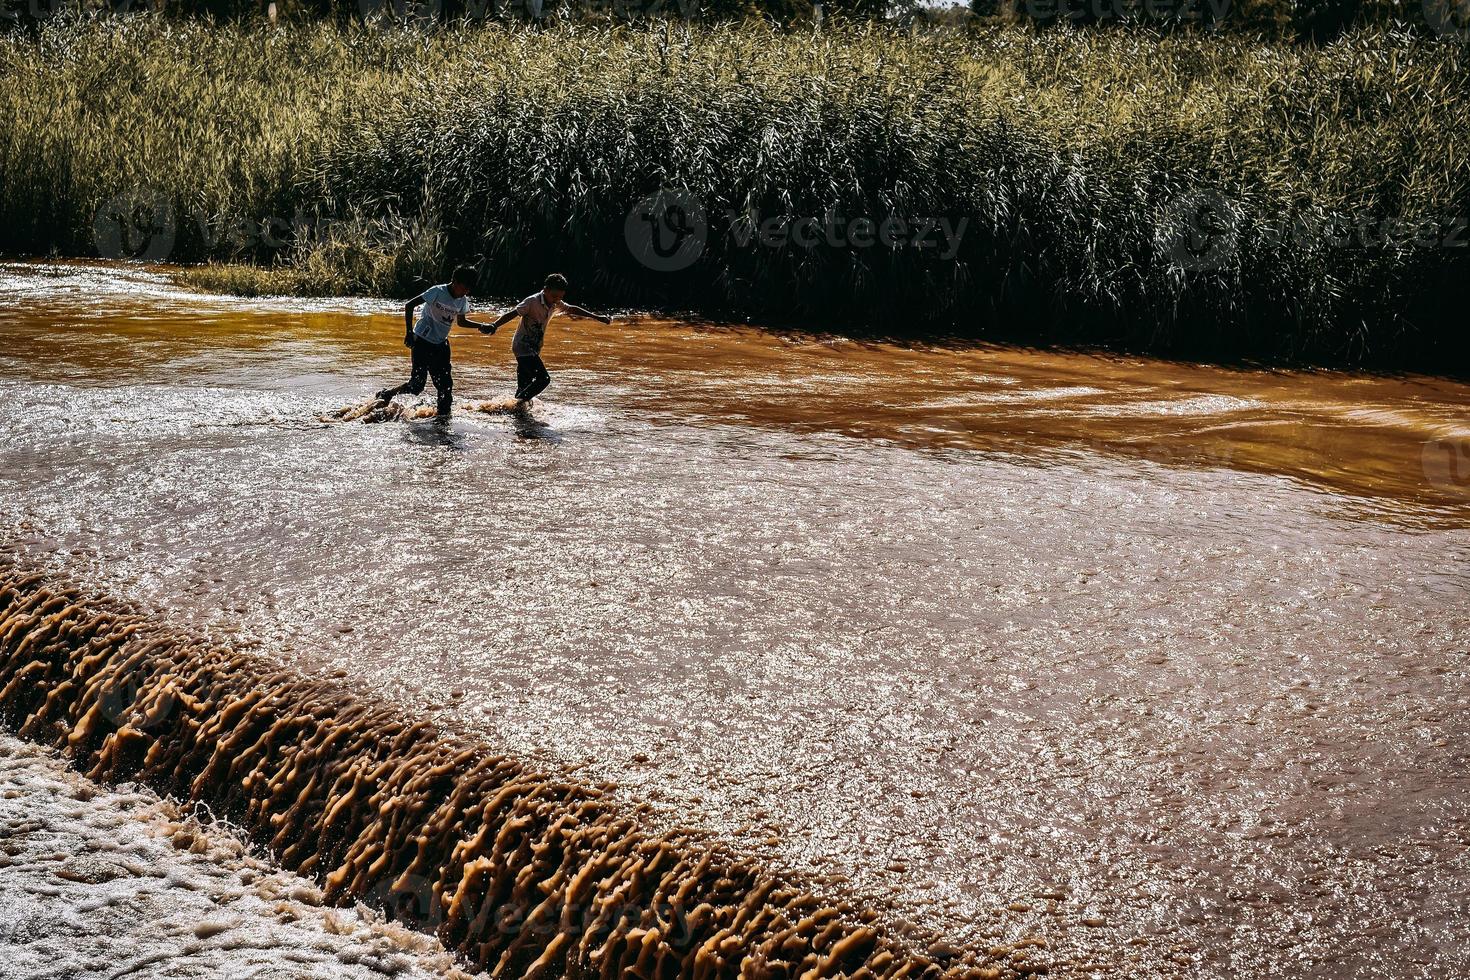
505, 318
469, 324
408, 309
580, 313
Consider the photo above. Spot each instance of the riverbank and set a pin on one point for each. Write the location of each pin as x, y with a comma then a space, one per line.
1191, 194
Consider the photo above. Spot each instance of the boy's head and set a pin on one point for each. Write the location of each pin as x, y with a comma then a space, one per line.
555, 287
464, 280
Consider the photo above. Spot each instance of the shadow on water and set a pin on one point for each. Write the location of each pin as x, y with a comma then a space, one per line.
528, 428
434, 432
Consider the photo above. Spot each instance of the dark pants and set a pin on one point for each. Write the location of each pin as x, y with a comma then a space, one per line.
429, 360
531, 377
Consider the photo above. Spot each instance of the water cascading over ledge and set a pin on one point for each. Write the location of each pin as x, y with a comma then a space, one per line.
525, 874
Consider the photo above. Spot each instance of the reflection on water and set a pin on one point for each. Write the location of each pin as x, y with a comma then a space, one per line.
1163, 665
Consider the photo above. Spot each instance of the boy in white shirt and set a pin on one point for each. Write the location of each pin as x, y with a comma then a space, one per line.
444, 306
536, 312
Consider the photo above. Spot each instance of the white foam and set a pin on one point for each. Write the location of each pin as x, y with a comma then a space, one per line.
1196, 405
195, 903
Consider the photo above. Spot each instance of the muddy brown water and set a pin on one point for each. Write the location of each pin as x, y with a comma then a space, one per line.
1161, 666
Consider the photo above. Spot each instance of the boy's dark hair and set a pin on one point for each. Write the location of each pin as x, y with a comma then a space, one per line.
555, 281
466, 275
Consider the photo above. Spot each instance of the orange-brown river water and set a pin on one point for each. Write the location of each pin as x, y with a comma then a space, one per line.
1164, 666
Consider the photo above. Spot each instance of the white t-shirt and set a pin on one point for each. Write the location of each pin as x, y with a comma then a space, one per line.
441, 309
535, 313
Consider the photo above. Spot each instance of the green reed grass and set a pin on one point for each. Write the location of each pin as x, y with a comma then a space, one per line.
394, 153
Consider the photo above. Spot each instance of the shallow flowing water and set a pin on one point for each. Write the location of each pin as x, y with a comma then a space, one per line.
1145, 665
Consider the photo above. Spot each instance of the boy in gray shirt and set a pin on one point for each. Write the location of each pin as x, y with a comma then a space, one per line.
536, 312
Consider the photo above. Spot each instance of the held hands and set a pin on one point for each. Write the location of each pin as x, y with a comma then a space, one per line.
605, 319
488, 328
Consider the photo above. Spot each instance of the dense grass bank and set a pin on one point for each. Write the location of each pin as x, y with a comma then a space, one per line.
1190, 194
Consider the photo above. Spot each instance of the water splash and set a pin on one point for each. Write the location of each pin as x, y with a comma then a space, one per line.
379, 410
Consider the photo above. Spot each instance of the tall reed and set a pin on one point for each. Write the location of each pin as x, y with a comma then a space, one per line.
1187, 193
